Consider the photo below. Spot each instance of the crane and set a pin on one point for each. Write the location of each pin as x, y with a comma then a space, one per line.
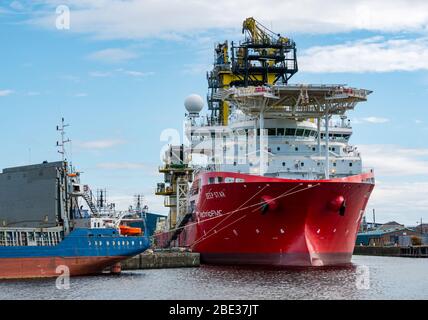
259, 34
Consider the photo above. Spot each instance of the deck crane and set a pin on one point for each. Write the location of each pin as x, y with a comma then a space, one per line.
257, 33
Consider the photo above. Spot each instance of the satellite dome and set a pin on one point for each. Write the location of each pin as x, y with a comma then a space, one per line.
194, 104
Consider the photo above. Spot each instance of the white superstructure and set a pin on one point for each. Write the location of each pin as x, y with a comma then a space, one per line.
269, 141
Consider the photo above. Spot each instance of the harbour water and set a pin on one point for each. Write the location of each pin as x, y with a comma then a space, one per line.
368, 277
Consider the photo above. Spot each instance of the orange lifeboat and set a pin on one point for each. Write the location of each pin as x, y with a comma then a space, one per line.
129, 231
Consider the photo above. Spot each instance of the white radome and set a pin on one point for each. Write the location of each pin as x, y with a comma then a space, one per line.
194, 103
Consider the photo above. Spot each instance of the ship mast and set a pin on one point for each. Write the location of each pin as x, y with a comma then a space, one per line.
61, 146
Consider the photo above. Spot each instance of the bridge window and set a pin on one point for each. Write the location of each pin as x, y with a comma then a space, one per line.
307, 133
290, 131
280, 131
299, 132
272, 132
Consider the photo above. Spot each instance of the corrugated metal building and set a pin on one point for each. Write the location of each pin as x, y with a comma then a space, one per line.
383, 237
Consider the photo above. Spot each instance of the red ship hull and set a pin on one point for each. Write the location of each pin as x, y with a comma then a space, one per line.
271, 221
44, 267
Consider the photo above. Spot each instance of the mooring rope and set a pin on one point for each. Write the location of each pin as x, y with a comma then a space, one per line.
237, 210
283, 195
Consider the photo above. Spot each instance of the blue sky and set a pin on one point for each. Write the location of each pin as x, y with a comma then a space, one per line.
120, 74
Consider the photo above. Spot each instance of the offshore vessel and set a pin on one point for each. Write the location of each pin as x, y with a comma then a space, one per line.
269, 177
51, 224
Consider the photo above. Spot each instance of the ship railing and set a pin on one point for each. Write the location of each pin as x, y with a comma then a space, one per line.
30, 237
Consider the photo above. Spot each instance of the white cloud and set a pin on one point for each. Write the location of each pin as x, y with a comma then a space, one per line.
132, 73
113, 55
99, 74
369, 55
404, 202
135, 19
374, 120
100, 144
4, 93
80, 94
16, 5
401, 191
135, 73
138, 73
393, 160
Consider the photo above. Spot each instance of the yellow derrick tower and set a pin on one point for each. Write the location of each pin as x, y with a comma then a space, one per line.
262, 58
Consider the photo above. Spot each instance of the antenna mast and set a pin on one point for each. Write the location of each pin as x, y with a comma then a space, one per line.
61, 145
